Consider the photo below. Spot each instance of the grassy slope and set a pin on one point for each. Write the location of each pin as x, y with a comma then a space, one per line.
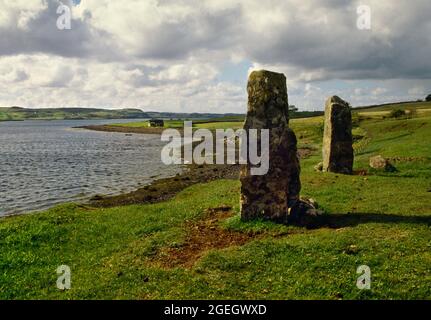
392, 106
222, 123
422, 109
384, 222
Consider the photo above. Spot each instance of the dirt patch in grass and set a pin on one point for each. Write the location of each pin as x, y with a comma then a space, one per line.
202, 236
406, 159
360, 172
306, 152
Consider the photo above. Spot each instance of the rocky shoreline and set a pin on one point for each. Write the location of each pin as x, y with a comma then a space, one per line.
111, 128
164, 189
161, 189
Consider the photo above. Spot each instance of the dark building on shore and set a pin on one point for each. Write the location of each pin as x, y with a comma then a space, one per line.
156, 123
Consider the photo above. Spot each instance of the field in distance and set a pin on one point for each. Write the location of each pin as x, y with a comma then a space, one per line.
194, 246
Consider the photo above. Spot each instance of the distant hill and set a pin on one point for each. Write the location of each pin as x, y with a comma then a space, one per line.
17, 113
398, 105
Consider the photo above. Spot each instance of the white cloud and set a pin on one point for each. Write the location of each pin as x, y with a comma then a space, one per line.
169, 55
379, 91
417, 91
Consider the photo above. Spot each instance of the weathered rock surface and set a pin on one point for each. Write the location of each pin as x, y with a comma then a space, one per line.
269, 196
305, 213
380, 163
318, 167
337, 138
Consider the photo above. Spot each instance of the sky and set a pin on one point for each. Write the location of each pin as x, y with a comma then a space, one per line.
195, 55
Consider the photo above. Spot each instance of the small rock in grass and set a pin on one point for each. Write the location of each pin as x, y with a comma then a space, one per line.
319, 166
224, 208
380, 163
352, 249
304, 212
312, 202
97, 197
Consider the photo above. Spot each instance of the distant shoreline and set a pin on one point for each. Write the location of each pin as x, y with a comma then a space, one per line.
19, 113
91, 119
121, 129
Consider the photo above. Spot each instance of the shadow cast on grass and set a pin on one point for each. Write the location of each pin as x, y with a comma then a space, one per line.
371, 151
353, 219
395, 138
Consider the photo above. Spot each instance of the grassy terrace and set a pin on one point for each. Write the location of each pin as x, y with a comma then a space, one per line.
195, 246
216, 123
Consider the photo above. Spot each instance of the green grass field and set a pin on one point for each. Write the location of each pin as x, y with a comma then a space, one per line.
383, 220
222, 123
402, 106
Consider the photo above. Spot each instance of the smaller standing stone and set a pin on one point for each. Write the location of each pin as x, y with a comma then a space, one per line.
337, 137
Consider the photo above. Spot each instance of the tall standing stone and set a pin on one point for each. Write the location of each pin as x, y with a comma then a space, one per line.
337, 137
271, 195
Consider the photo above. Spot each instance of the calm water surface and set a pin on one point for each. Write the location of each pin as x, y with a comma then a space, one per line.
43, 163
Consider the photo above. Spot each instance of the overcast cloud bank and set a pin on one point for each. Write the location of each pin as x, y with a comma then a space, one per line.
173, 55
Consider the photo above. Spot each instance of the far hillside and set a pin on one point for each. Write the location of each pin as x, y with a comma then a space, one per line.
18, 113
411, 109
396, 105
